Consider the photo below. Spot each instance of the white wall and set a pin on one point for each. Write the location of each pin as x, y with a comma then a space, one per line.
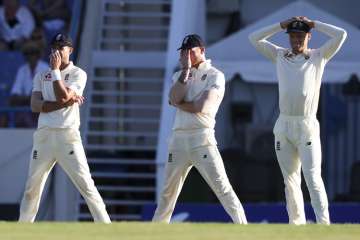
15, 150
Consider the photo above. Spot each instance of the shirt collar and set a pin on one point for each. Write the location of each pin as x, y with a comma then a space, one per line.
68, 67
205, 65
290, 54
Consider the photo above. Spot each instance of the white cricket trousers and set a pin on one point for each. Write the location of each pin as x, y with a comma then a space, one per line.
297, 146
199, 150
61, 146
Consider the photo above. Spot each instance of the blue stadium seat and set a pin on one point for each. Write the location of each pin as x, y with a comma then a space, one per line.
9, 64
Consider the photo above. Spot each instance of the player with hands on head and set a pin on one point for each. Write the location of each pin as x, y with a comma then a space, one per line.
297, 132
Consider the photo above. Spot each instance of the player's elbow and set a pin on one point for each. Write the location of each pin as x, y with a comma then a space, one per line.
199, 107
35, 105
174, 100
253, 39
62, 100
343, 35
35, 108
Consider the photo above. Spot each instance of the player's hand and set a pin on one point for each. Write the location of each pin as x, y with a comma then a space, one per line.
79, 99
285, 24
71, 102
55, 60
185, 60
306, 20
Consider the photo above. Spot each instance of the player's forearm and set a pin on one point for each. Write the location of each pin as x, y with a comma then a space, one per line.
258, 40
264, 33
197, 106
190, 107
177, 93
179, 89
330, 30
338, 36
49, 106
62, 94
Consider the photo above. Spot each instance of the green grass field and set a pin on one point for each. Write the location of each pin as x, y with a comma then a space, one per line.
178, 231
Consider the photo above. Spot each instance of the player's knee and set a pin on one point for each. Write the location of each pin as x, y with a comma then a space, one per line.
223, 188
313, 180
30, 195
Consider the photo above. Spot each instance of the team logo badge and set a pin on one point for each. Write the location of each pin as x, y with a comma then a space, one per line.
203, 77
295, 24
66, 77
48, 77
186, 40
59, 37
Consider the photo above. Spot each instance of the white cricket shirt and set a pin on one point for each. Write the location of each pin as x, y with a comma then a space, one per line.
201, 79
69, 117
299, 76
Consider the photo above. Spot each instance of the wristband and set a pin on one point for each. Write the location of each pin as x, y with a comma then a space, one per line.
55, 75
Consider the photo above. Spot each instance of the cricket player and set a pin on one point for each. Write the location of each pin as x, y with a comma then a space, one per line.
56, 95
197, 92
297, 132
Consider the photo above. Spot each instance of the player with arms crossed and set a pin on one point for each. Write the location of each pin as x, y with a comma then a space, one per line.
197, 92
56, 95
297, 131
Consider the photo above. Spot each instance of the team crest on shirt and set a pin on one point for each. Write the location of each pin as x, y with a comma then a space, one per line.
66, 77
203, 77
48, 77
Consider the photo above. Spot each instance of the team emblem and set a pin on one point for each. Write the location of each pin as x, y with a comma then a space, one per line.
66, 77
203, 77
48, 77
295, 24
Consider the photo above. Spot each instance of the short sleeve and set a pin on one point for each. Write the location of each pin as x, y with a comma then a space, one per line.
37, 83
77, 82
216, 82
